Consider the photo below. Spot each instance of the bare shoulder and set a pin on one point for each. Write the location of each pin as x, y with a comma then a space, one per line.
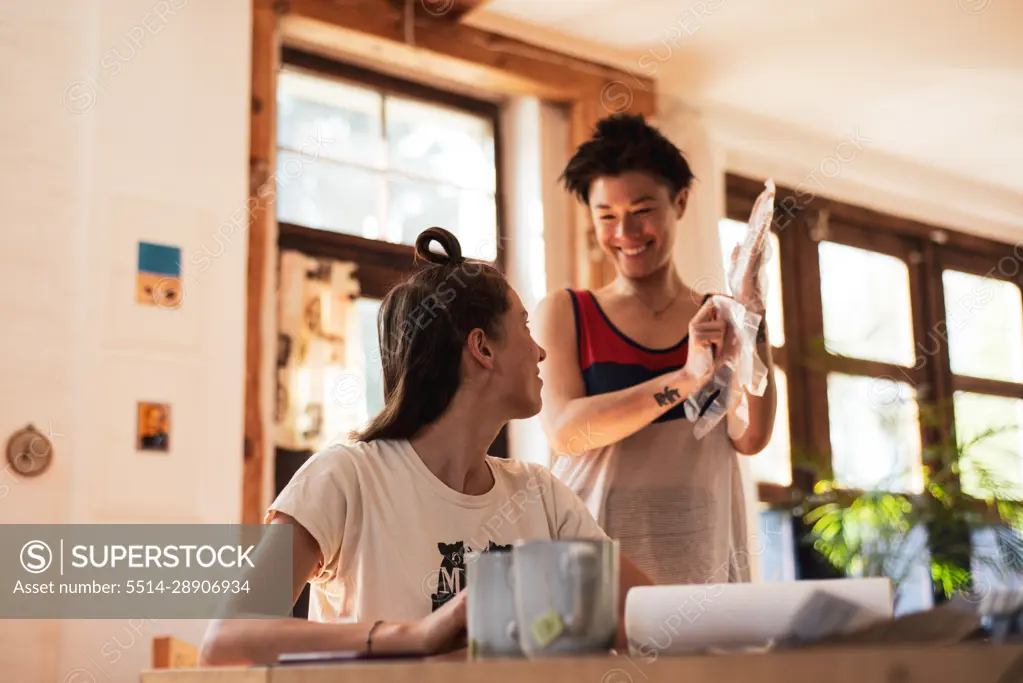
557, 331
554, 303
553, 311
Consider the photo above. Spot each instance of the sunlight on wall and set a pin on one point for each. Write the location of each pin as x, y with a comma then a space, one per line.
523, 240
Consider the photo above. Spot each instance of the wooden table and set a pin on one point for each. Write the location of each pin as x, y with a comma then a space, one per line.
972, 663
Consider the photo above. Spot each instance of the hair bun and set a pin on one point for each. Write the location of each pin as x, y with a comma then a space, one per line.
452, 249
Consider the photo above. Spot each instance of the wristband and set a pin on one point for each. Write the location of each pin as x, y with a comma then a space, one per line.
369, 637
762, 332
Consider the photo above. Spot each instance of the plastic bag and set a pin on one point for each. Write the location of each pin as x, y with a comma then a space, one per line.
747, 287
741, 370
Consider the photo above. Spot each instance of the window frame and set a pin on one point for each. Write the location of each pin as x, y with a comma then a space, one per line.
802, 220
381, 264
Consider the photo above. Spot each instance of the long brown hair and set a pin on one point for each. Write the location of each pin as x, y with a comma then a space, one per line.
422, 327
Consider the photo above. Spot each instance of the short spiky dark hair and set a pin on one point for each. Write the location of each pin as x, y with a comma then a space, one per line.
622, 143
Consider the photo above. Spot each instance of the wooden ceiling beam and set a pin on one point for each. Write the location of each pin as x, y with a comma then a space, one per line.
376, 32
395, 59
449, 10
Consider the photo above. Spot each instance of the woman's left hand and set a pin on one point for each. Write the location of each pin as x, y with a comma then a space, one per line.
443, 631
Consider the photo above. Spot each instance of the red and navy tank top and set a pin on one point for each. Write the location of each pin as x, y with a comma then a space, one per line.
674, 502
611, 361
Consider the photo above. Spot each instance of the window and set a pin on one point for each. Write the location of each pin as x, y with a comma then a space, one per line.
984, 325
891, 338
365, 160
775, 549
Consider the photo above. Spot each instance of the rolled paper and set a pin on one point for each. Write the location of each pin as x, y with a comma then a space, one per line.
687, 619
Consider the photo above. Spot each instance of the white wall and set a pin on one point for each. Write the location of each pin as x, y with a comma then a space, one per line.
522, 238
536, 243
123, 120
851, 168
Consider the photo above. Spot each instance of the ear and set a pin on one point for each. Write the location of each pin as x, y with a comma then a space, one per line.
681, 200
480, 349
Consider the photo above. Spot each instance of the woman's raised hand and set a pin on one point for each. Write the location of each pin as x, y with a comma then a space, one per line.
708, 338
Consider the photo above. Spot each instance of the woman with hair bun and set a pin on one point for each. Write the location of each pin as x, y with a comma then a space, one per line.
383, 527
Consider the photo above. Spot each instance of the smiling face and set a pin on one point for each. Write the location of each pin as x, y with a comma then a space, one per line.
635, 216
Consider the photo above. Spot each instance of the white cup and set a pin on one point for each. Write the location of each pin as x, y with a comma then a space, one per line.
492, 623
566, 596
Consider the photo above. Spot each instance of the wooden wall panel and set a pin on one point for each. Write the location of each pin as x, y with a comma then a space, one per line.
262, 237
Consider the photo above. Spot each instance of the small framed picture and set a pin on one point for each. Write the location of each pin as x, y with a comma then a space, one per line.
153, 428
158, 282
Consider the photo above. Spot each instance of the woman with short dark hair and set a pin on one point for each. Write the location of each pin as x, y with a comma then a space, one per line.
384, 527
621, 366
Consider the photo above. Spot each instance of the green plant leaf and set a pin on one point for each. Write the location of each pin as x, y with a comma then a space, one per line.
872, 534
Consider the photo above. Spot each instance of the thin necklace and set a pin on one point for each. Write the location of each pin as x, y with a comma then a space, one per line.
657, 313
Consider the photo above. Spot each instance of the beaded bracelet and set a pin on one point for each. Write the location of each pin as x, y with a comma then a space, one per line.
369, 637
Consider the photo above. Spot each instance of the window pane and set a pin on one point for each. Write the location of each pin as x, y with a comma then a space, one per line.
875, 433
903, 555
366, 309
985, 326
989, 430
992, 562
775, 549
321, 117
773, 465
731, 233
442, 144
327, 196
866, 302
912, 569
413, 206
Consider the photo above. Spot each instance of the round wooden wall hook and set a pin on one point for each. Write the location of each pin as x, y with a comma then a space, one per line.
29, 452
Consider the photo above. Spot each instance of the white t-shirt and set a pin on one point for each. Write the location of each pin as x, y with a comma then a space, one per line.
395, 539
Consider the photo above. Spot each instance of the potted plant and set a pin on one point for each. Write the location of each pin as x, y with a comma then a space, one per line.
878, 532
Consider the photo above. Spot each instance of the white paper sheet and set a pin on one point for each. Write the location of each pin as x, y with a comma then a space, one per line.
680, 619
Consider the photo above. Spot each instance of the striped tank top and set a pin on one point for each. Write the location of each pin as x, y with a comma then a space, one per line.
674, 502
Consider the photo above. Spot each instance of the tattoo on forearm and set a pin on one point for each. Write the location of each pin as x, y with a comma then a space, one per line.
667, 396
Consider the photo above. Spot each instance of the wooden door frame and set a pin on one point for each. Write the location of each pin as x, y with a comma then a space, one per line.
442, 52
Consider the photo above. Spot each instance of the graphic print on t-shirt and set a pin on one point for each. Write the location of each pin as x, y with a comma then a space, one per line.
451, 577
